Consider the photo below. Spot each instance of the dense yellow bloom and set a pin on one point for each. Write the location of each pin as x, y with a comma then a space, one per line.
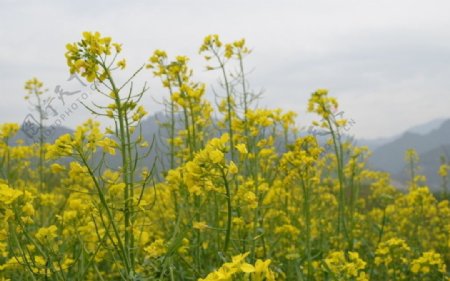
237, 267
216, 156
346, 266
108, 145
87, 56
443, 170
322, 104
392, 251
28, 209
57, 168
156, 249
8, 195
392, 259
242, 148
429, 263
232, 168
8, 130
63, 146
235, 197
117, 189
46, 234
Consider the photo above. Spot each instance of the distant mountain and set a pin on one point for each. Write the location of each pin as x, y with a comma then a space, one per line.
430, 162
375, 143
421, 129
30, 136
425, 128
150, 130
429, 145
430, 140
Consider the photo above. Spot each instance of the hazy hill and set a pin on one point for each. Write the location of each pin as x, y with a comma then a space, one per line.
430, 145
29, 137
430, 162
375, 143
430, 140
421, 129
427, 127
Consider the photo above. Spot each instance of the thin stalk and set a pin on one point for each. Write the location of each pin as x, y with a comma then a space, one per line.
229, 211
339, 159
229, 107
127, 173
307, 216
121, 251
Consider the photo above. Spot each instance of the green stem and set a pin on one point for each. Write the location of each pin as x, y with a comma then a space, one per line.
127, 173
306, 215
229, 211
121, 251
340, 163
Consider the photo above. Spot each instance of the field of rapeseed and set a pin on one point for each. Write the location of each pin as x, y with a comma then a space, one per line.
243, 193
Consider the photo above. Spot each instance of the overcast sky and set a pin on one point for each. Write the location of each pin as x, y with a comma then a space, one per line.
387, 62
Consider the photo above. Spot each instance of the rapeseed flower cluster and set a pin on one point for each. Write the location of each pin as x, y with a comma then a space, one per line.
224, 191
